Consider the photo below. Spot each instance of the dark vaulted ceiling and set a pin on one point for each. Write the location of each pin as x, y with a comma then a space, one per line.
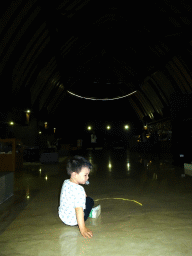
54, 51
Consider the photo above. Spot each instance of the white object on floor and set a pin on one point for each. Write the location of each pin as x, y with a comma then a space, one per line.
95, 212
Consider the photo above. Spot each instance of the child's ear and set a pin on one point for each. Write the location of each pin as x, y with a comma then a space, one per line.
73, 174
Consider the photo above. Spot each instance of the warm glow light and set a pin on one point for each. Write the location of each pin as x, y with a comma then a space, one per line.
126, 127
89, 128
46, 177
108, 127
40, 132
28, 111
11, 123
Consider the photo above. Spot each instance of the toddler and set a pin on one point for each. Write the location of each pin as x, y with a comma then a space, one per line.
75, 205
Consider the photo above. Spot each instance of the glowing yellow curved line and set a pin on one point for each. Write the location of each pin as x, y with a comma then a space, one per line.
124, 199
120, 97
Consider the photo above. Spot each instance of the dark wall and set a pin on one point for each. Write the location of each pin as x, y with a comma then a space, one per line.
28, 134
181, 118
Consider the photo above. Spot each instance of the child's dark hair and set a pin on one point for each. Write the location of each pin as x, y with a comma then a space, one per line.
76, 163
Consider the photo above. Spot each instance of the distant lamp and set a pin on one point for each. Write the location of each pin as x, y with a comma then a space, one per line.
54, 130
28, 112
11, 123
108, 127
40, 132
126, 127
45, 125
89, 128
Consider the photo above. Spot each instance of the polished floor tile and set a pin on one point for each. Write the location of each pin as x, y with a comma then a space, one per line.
145, 209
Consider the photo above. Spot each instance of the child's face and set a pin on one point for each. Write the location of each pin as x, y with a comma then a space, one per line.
83, 176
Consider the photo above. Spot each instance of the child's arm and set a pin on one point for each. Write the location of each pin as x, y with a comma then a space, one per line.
85, 232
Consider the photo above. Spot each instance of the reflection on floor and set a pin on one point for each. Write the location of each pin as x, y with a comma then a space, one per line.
155, 219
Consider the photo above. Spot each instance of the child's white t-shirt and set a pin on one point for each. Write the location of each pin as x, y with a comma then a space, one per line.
72, 196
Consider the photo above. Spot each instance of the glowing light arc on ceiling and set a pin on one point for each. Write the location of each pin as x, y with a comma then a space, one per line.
104, 99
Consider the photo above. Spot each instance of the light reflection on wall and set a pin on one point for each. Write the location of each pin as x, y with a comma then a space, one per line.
128, 168
27, 193
128, 165
90, 159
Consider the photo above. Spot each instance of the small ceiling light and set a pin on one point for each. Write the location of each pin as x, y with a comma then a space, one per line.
11, 123
89, 128
108, 127
126, 127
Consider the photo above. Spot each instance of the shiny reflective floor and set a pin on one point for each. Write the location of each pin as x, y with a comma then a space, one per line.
146, 207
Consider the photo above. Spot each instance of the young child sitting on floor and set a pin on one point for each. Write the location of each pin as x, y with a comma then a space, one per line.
75, 205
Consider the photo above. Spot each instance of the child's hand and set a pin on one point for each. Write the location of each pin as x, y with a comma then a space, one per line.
85, 232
